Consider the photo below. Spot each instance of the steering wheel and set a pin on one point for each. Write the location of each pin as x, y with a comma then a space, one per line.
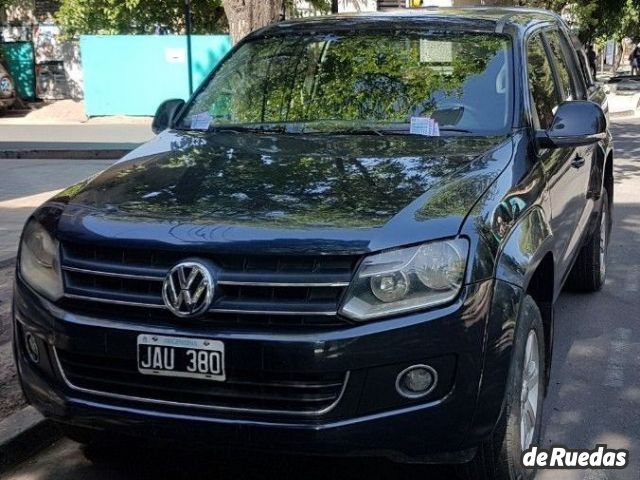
471, 112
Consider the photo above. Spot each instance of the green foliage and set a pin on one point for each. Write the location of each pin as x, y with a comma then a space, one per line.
137, 16
78, 17
597, 18
309, 181
366, 78
618, 19
7, 3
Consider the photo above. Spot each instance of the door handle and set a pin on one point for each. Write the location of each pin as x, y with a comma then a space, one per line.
578, 162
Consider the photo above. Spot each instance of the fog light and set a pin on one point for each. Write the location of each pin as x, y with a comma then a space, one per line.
32, 347
416, 381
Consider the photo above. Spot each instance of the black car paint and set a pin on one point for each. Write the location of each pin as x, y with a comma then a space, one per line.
287, 194
534, 192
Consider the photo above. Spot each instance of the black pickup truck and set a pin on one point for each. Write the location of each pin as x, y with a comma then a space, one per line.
348, 242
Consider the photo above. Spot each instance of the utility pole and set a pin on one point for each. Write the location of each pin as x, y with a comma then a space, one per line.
334, 6
188, 28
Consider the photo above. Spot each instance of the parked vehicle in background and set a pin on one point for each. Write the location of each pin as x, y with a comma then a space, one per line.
348, 242
7, 90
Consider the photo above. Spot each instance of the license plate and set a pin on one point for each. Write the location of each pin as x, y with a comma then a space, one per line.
181, 357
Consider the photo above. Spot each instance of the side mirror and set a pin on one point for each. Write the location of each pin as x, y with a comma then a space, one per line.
575, 124
166, 115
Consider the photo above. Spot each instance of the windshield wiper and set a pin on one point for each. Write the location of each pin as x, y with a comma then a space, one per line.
270, 128
359, 131
453, 129
250, 129
388, 131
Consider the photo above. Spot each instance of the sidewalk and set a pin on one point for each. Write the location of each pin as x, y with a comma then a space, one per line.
624, 95
26, 184
83, 141
11, 399
61, 131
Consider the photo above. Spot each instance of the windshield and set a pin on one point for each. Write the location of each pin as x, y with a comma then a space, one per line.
351, 82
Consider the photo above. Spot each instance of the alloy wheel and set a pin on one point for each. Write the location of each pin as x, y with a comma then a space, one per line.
603, 245
529, 393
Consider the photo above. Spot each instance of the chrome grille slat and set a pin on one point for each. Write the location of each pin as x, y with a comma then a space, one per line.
132, 276
225, 278
267, 290
249, 392
115, 269
280, 280
274, 307
114, 302
219, 394
274, 312
246, 311
99, 294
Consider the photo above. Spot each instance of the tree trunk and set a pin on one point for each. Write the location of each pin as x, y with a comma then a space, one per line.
245, 16
618, 54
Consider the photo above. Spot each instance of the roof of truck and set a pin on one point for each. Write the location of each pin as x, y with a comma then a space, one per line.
473, 18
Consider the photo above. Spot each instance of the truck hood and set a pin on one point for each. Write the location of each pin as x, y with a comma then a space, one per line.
287, 193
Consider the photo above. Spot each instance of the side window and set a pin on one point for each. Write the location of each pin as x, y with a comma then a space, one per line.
542, 85
586, 73
567, 89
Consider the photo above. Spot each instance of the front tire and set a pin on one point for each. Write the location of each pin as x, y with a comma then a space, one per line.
500, 457
590, 270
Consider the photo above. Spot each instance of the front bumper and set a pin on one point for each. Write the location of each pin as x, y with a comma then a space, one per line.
370, 418
7, 102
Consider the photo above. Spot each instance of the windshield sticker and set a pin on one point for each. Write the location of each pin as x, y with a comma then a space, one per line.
424, 126
201, 121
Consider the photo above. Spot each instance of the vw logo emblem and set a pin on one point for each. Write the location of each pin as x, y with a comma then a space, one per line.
187, 290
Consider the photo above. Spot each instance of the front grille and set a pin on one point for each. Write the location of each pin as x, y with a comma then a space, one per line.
271, 290
258, 391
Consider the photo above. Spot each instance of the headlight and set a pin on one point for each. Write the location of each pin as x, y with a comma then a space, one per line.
409, 279
39, 261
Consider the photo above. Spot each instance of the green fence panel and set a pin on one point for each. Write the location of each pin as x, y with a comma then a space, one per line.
20, 62
133, 74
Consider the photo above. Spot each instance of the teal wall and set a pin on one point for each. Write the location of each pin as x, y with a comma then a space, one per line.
21, 66
133, 74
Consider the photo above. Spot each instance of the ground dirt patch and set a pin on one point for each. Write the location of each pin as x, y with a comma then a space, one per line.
11, 398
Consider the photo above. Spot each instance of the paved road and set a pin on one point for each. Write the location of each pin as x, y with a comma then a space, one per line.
594, 396
595, 392
73, 137
26, 184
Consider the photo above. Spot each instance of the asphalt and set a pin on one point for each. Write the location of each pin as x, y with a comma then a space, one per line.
75, 141
26, 184
18, 443
594, 395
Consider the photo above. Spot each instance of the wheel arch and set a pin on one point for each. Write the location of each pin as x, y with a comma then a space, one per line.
608, 176
527, 261
525, 265
541, 288
528, 244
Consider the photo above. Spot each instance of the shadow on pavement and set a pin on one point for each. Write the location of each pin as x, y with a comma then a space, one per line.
595, 381
102, 463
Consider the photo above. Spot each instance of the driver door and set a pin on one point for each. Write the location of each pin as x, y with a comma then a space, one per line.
567, 169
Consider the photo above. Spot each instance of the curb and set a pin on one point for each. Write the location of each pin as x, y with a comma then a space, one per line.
23, 434
63, 154
9, 262
623, 114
